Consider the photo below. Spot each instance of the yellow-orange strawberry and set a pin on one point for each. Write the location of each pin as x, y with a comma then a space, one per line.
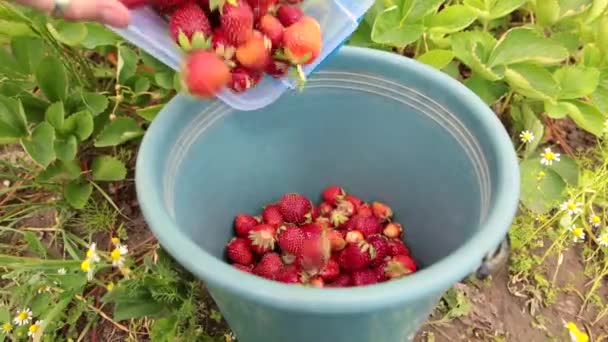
302, 41
204, 74
255, 53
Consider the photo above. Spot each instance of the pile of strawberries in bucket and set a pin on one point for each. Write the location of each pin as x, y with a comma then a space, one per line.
341, 242
233, 43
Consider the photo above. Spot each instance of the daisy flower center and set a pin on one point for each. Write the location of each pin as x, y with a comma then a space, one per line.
115, 255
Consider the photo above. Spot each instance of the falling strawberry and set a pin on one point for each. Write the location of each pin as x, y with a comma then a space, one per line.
272, 215
237, 21
364, 277
295, 208
393, 230
332, 194
396, 247
263, 238
269, 266
289, 15
272, 28
255, 52
322, 222
312, 230
399, 266
204, 74
356, 256
242, 80
239, 251
189, 19
243, 223
291, 239
382, 211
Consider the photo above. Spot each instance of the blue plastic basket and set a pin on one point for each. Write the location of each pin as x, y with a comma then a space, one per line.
338, 20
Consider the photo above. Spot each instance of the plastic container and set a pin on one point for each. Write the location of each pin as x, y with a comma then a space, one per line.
383, 126
338, 20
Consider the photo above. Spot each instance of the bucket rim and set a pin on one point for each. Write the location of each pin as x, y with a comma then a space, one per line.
429, 281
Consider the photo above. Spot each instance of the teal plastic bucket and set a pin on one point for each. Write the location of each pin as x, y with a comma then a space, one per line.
384, 127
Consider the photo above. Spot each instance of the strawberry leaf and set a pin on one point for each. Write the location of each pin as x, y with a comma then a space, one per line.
199, 41
183, 41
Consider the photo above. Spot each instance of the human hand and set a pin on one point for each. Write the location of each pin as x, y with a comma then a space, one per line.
108, 12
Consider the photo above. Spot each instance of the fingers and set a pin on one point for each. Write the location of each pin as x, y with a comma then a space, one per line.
108, 12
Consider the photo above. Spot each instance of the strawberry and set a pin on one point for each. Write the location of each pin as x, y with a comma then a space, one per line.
255, 52
345, 207
204, 4
261, 7
332, 194
221, 46
189, 19
316, 282
366, 225
356, 201
312, 230
364, 277
295, 208
272, 28
204, 74
315, 213
293, 2
248, 269
167, 6
343, 280
269, 266
399, 266
380, 271
239, 251
336, 240
364, 210
325, 209
393, 230
277, 68
315, 253
263, 238
354, 236
323, 222
289, 274
380, 244
382, 211
237, 22
356, 256
272, 215
134, 3
338, 217
242, 80
330, 271
291, 239
289, 15
396, 247
243, 223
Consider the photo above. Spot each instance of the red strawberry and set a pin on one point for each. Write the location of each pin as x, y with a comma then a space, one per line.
289, 15
261, 7
336, 240
315, 253
239, 251
366, 225
295, 208
204, 74
270, 26
291, 239
323, 222
346, 207
380, 244
243, 223
364, 277
204, 4
382, 211
354, 236
332, 194
399, 266
343, 280
248, 269
293, 2
380, 271
316, 282
255, 52
277, 69
325, 209
289, 274
134, 3
272, 215
393, 230
330, 271
396, 247
315, 212
302, 41
364, 210
237, 22
269, 266
338, 217
263, 237
166, 6
242, 80
356, 256
312, 230
189, 19
221, 46
356, 201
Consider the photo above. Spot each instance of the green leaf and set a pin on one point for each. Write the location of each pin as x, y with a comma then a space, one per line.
94, 102
573, 7
60, 171
80, 124
34, 244
421, 8
558, 110
542, 195
526, 45
69, 33
567, 169
576, 81
120, 130
107, 168
5, 314
55, 115
532, 81
451, 19
40, 144
77, 193
66, 149
437, 58
472, 48
547, 12
13, 123
127, 64
388, 29
52, 79
533, 124
142, 84
164, 79
150, 61
494, 9
98, 35
568, 40
130, 310
165, 329
597, 9
592, 56
588, 117
600, 96
28, 52
149, 113
488, 91
602, 35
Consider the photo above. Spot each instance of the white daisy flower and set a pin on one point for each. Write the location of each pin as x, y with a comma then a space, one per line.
548, 157
92, 253
578, 233
87, 267
602, 240
6, 328
23, 317
573, 208
117, 255
62, 271
595, 221
34, 328
526, 136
